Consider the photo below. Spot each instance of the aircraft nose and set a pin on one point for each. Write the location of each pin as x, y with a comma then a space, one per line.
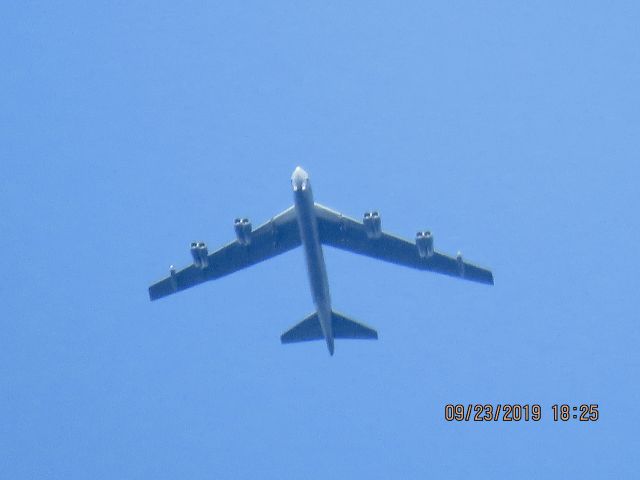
299, 178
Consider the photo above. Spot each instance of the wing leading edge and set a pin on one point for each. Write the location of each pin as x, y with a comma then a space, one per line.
346, 233
278, 235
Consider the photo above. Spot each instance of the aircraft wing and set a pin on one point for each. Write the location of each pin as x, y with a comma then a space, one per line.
278, 235
346, 233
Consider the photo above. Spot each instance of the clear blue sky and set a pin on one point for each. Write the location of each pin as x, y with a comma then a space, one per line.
129, 129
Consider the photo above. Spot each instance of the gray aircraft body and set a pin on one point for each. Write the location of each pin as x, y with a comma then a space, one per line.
310, 224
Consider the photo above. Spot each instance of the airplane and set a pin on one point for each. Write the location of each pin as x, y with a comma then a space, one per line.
311, 225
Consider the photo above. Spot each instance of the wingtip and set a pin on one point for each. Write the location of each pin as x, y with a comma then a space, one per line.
155, 293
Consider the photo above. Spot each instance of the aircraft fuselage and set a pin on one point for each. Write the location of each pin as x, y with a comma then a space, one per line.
308, 227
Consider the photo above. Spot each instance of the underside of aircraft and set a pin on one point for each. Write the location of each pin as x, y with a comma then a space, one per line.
312, 225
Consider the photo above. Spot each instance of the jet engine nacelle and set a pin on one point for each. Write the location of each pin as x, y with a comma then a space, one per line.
372, 224
242, 227
424, 242
200, 254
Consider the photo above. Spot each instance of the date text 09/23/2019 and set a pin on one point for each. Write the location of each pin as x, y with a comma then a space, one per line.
516, 412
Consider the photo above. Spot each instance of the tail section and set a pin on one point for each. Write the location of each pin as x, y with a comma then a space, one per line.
305, 331
343, 327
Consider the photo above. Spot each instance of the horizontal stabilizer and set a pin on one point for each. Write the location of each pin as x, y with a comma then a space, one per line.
305, 331
344, 327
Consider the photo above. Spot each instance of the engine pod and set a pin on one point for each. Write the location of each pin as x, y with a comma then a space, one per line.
195, 253
424, 243
200, 254
204, 255
242, 227
372, 224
